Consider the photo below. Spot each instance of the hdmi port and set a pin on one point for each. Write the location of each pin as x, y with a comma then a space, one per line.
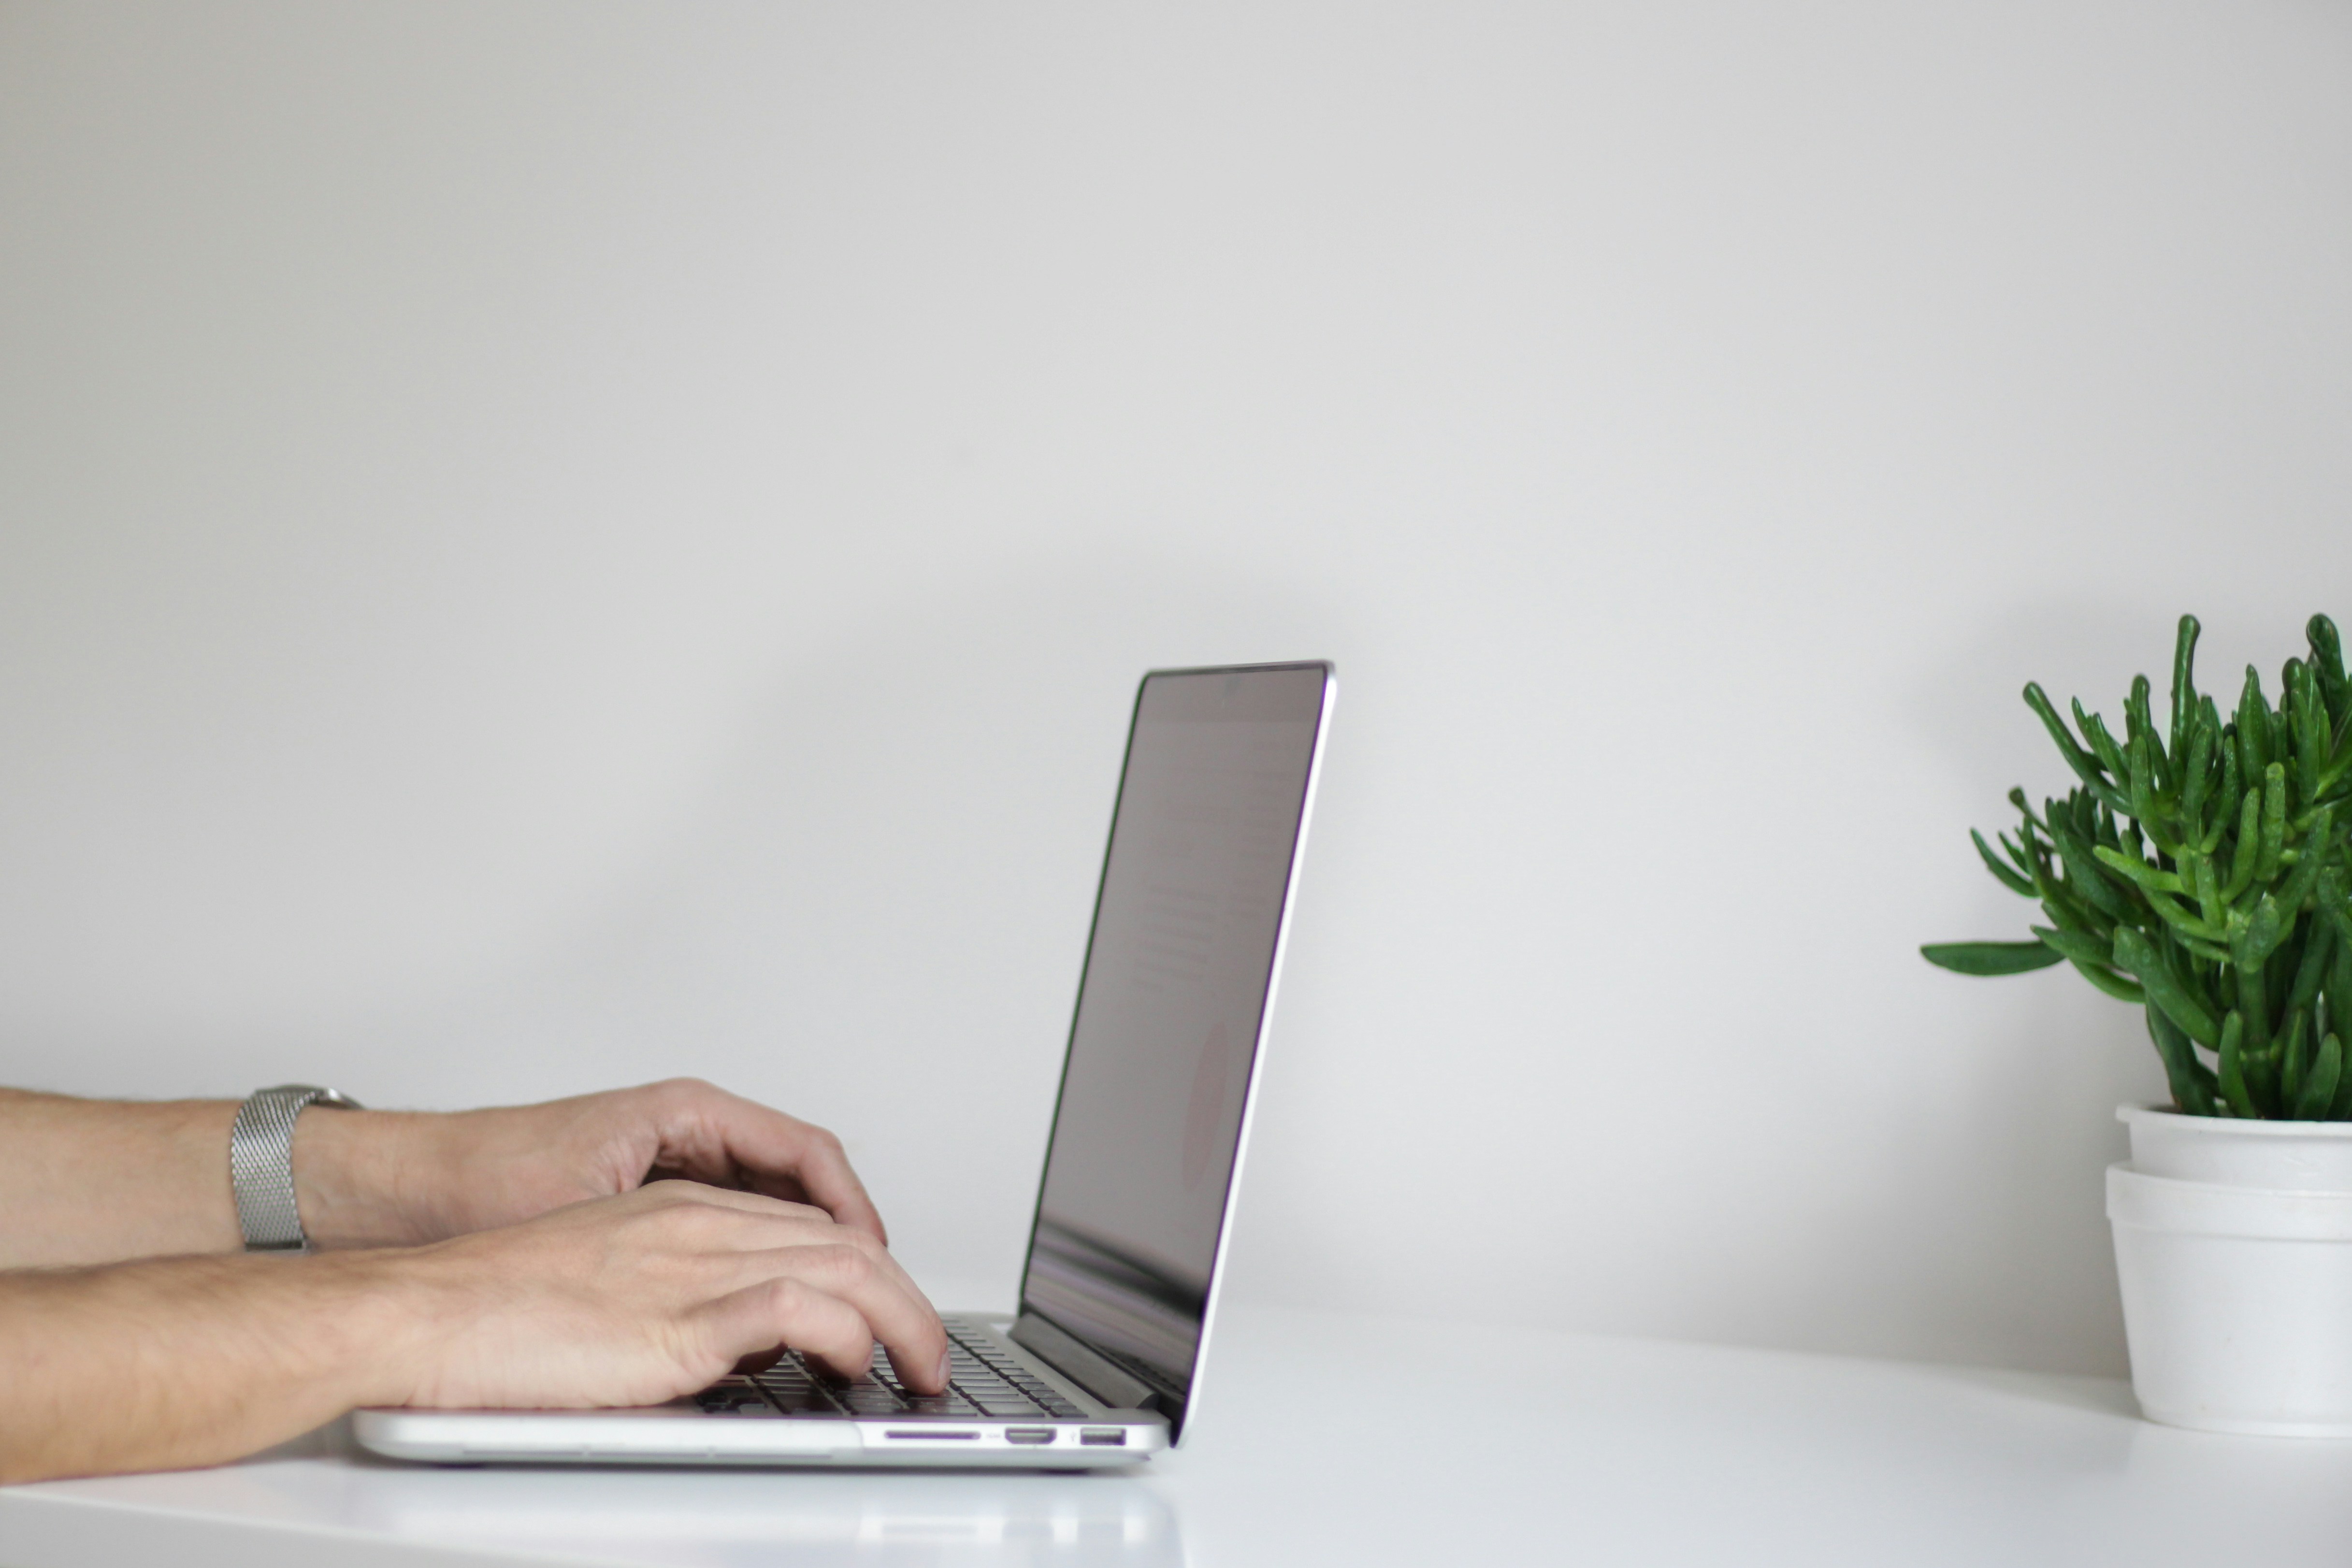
1029, 1434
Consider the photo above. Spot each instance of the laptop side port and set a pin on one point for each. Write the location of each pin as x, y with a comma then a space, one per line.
1103, 1437
930, 1434
1028, 1434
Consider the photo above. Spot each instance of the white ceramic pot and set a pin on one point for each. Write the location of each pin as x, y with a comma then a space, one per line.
2277, 1156
2233, 1244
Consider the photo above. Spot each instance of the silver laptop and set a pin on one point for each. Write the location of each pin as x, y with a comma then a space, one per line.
1103, 1364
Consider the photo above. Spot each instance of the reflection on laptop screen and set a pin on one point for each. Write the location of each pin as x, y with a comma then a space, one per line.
1169, 1008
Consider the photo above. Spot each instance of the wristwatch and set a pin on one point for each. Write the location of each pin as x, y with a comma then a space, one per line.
261, 1164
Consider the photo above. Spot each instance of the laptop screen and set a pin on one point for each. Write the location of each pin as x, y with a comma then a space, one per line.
1170, 1006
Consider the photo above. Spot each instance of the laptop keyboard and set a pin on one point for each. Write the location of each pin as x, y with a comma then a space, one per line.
984, 1381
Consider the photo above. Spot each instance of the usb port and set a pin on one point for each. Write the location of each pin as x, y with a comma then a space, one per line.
1029, 1434
1104, 1436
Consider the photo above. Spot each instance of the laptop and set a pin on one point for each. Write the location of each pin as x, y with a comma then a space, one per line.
1104, 1362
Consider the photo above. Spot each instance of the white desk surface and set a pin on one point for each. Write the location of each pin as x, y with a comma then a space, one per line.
1319, 1447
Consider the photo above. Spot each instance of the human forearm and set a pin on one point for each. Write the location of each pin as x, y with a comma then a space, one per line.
623, 1300
98, 1181
91, 1181
104, 1181
193, 1360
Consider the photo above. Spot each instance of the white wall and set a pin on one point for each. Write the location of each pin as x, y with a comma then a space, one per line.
547, 546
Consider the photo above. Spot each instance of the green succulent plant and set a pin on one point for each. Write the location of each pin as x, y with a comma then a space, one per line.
2200, 871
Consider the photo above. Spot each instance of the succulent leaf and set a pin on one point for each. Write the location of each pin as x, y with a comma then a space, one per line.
2103, 745
2077, 944
2311, 968
2089, 955
2245, 859
2232, 1068
2120, 987
2195, 781
2137, 724
2318, 1096
2137, 956
2292, 1057
2311, 859
2273, 821
2008, 878
2086, 767
2327, 665
2193, 1083
2253, 725
2140, 871
1991, 958
2339, 1109
2184, 679
2086, 880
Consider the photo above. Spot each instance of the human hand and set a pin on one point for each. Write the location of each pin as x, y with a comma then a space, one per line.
373, 1178
643, 1297
621, 1301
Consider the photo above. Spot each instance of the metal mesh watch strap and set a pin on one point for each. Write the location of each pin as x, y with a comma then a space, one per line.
261, 1164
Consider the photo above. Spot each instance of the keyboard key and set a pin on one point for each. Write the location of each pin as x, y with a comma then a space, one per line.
796, 1396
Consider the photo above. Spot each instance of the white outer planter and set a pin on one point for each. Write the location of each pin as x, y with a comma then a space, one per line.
2233, 1244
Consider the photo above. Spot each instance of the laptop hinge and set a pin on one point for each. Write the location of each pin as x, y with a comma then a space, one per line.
1112, 1386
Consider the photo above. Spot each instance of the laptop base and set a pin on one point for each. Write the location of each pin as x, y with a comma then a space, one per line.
734, 1423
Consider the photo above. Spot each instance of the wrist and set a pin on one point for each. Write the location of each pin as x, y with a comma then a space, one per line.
355, 1177
393, 1320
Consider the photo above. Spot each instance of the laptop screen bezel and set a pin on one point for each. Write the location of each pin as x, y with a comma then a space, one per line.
1174, 1407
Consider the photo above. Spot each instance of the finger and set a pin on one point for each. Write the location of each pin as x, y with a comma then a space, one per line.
806, 1163
749, 1224
788, 1311
686, 1192
719, 1137
895, 1313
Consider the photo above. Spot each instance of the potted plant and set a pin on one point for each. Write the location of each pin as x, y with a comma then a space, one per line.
2199, 869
